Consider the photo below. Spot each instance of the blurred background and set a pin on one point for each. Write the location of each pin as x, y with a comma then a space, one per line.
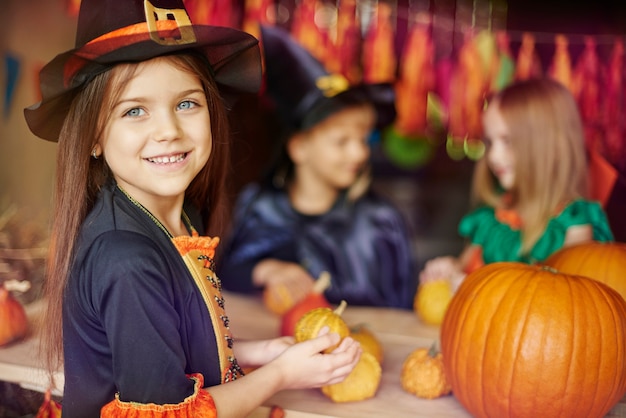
445, 56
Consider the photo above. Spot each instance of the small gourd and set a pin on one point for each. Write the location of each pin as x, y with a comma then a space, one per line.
309, 326
369, 343
431, 301
423, 374
362, 382
277, 298
315, 299
13, 319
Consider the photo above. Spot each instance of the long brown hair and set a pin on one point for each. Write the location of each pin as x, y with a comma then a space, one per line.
547, 137
80, 177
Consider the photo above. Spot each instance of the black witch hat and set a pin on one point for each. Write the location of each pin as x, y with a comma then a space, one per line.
114, 31
305, 92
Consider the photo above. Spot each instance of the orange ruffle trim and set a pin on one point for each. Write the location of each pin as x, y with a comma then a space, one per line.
199, 405
206, 245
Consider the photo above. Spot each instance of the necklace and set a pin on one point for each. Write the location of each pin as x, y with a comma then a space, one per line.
158, 223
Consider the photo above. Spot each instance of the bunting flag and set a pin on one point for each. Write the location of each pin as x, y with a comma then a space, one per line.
257, 13
561, 66
379, 58
528, 64
12, 68
308, 33
613, 107
406, 142
345, 58
415, 81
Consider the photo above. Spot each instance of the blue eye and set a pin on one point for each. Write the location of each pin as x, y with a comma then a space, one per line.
187, 104
135, 112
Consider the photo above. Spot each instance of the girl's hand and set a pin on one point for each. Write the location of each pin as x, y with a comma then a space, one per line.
259, 352
440, 268
292, 276
304, 366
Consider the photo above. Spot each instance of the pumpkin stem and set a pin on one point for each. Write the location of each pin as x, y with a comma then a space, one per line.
341, 307
322, 283
550, 269
433, 350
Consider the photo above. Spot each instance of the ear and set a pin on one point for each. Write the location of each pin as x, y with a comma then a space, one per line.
296, 147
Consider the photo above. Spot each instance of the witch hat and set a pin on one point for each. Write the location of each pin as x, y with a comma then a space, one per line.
113, 31
305, 93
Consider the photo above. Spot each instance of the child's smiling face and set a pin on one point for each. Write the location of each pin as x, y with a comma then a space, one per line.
158, 135
499, 153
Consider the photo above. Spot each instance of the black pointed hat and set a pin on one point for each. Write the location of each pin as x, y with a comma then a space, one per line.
305, 93
114, 31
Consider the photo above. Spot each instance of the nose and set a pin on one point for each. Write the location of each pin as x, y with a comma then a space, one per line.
167, 126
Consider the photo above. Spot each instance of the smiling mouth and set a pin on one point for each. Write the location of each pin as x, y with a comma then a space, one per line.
168, 160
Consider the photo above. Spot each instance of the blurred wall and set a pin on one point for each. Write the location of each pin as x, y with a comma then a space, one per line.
32, 32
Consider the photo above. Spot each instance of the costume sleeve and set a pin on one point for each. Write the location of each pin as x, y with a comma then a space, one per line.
498, 241
199, 404
578, 212
255, 236
131, 292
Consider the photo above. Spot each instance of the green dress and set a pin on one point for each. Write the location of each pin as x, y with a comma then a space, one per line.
501, 240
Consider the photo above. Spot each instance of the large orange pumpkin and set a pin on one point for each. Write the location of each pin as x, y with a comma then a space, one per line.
603, 261
521, 340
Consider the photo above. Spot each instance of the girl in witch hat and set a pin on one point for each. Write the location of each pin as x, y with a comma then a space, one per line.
315, 210
135, 312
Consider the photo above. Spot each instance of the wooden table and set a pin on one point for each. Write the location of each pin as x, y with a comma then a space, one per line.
400, 332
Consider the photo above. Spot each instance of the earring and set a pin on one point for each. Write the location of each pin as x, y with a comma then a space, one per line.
94, 154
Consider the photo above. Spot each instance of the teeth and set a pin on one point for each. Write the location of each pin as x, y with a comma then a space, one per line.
167, 160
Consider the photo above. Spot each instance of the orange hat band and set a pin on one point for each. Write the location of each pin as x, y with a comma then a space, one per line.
158, 27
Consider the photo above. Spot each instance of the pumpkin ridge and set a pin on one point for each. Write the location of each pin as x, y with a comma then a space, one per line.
574, 340
609, 401
464, 329
512, 396
521, 295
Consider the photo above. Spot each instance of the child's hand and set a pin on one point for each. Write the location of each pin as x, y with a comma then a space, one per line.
304, 366
292, 276
439, 268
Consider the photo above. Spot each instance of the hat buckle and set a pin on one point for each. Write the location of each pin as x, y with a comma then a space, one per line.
180, 16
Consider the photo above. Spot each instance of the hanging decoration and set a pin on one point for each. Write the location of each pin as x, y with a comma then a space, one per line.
379, 58
12, 70
257, 13
346, 43
406, 142
308, 32
528, 64
446, 66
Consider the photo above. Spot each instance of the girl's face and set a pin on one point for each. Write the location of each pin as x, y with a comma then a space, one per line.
158, 136
499, 153
336, 150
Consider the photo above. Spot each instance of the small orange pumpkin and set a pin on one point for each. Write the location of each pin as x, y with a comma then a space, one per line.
13, 319
519, 339
277, 298
602, 261
362, 382
315, 299
423, 374
431, 301
369, 343
313, 321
